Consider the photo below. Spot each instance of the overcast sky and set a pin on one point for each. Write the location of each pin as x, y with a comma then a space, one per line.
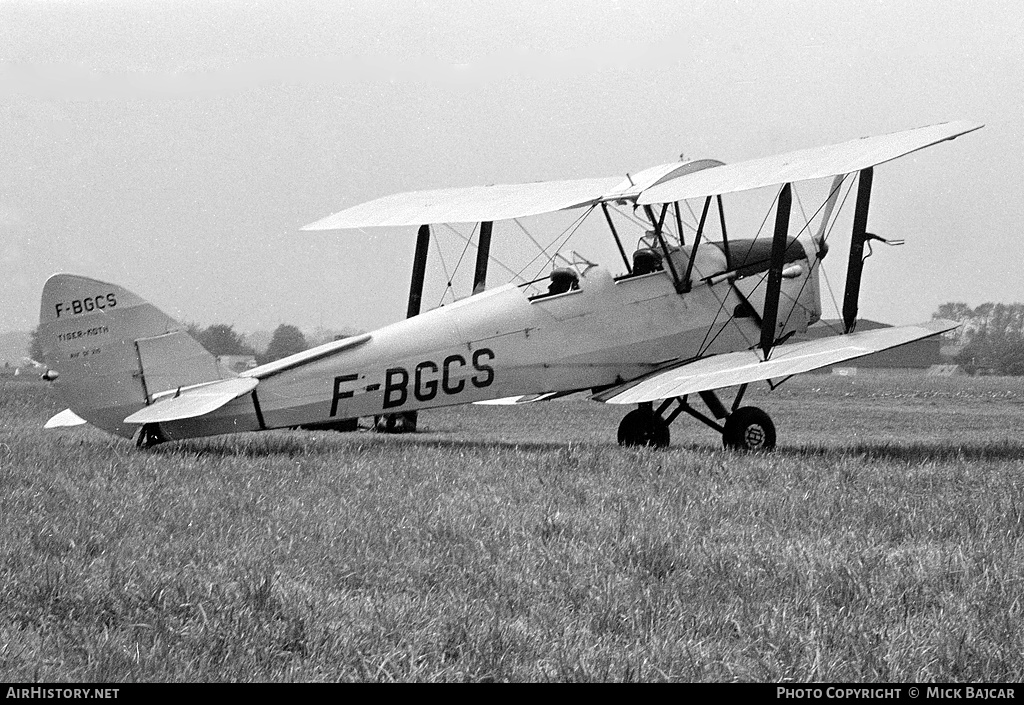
176, 148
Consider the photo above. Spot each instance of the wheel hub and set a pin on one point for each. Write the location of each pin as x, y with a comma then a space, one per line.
754, 436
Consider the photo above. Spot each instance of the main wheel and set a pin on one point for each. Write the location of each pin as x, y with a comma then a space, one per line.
642, 427
402, 422
749, 428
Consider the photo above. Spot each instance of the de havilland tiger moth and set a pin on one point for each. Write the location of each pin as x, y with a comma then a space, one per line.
682, 319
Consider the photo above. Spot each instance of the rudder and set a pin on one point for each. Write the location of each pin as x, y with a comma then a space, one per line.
113, 350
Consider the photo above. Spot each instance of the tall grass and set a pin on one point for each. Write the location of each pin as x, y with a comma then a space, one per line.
882, 542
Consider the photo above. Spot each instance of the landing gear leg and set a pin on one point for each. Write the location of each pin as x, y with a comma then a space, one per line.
149, 435
744, 428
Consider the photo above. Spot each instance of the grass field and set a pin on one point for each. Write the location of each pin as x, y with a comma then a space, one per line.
883, 541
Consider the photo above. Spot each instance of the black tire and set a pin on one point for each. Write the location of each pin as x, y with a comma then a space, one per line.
749, 429
402, 422
642, 427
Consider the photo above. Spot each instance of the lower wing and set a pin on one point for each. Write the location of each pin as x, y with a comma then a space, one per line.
746, 366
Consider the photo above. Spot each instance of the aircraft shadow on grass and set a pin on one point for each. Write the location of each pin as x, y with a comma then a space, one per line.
292, 445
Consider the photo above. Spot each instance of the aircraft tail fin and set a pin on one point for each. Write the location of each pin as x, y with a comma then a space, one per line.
113, 351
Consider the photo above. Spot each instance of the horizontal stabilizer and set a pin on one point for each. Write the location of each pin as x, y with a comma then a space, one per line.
731, 369
196, 401
802, 165
64, 419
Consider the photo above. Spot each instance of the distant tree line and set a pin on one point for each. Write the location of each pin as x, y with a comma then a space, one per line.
287, 340
222, 339
991, 339
35, 346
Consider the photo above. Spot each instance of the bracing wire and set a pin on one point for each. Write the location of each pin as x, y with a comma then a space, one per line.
444, 267
639, 222
466, 248
557, 253
544, 251
455, 270
706, 343
527, 233
832, 295
761, 227
849, 190
807, 225
825, 237
491, 257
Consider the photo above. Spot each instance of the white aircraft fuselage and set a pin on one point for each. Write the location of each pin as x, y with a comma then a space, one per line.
502, 343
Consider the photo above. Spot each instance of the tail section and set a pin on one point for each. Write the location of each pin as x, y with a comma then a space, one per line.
113, 351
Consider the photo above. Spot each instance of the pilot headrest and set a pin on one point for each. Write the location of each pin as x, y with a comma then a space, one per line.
646, 260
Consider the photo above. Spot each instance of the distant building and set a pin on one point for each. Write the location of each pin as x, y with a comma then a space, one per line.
918, 355
235, 364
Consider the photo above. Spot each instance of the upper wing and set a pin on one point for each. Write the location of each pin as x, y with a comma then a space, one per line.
804, 164
746, 366
473, 204
659, 184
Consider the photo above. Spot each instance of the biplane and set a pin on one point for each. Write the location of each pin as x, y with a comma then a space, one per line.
679, 319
